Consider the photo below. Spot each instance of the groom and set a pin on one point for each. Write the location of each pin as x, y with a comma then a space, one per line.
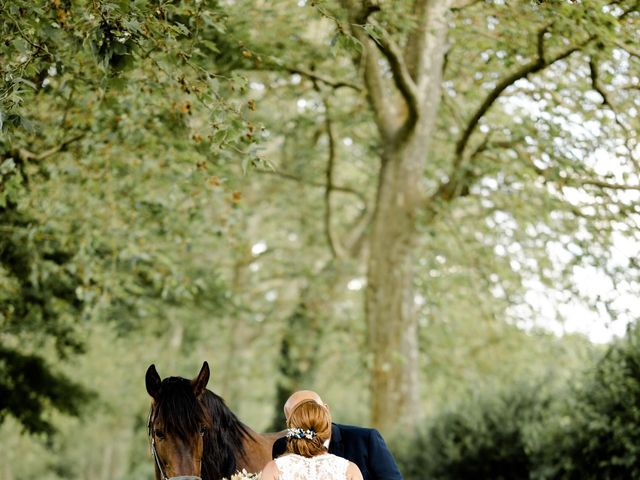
362, 446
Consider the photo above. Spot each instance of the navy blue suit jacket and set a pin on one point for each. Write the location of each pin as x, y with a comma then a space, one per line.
363, 446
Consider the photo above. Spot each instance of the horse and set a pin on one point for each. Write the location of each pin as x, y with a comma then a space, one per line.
193, 435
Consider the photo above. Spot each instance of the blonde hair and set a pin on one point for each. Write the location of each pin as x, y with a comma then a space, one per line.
309, 415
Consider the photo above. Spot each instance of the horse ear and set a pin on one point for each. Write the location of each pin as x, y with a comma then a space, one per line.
200, 382
153, 381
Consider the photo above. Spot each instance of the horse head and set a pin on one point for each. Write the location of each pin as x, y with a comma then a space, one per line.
179, 424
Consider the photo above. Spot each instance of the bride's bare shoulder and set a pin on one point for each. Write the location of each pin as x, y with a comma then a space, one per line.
270, 471
353, 472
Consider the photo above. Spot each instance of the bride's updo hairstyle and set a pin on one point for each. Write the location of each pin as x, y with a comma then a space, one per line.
313, 423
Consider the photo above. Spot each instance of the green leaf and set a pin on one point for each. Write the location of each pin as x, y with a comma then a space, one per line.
210, 45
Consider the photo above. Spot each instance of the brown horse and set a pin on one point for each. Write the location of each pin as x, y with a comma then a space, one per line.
194, 435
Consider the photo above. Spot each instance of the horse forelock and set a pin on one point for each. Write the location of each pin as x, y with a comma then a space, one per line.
177, 408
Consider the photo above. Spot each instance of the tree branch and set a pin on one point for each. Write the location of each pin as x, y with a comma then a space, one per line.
572, 182
25, 155
400, 72
488, 102
315, 77
552, 176
540, 42
359, 12
459, 184
549, 175
355, 238
375, 89
632, 9
26, 38
311, 183
332, 242
532, 67
429, 31
631, 51
595, 83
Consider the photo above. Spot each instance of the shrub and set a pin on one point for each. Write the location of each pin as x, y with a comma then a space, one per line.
598, 434
483, 438
589, 429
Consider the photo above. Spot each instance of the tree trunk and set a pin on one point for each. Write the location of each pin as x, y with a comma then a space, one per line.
389, 303
406, 128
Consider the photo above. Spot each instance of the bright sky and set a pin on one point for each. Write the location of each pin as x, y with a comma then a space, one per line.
600, 326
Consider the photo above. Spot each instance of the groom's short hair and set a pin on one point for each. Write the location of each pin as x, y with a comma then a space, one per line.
299, 397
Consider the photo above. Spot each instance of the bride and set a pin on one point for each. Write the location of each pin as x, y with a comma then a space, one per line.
306, 457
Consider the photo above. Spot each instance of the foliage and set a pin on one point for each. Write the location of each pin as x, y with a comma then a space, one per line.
28, 387
541, 430
39, 283
91, 84
165, 186
484, 437
598, 434
544, 188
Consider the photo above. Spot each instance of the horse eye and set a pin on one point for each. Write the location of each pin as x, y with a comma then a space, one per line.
159, 434
203, 430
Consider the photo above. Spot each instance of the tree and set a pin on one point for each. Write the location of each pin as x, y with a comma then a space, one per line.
39, 296
89, 94
137, 131
406, 128
476, 148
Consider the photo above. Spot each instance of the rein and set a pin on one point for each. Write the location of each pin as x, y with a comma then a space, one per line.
154, 453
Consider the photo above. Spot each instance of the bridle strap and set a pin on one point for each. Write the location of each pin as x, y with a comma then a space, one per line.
157, 459
152, 444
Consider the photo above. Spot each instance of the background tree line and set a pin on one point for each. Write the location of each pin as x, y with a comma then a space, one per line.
377, 189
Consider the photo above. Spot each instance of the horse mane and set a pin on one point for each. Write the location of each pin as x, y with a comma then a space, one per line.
223, 444
182, 415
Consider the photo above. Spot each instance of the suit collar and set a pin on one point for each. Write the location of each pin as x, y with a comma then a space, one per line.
335, 446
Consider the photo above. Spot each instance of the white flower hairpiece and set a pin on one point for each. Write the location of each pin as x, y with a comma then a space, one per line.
300, 433
244, 475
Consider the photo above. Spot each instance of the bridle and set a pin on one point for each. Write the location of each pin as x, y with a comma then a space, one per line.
156, 457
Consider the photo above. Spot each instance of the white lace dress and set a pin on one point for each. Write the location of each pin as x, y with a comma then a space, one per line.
321, 467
